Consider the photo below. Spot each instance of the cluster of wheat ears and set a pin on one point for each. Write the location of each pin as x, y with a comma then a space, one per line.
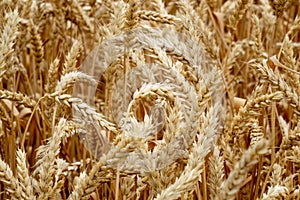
147, 99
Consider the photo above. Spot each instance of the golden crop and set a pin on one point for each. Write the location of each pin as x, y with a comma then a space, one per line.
147, 99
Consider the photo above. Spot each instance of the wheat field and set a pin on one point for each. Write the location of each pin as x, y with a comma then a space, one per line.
149, 99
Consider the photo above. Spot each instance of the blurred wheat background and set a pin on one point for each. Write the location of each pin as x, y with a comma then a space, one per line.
142, 99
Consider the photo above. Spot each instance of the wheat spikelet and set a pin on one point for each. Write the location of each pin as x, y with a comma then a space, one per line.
87, 183
240, 122
238, 12
230, 63
36, 44
186, 94
278, 6
278, 82
268, 22
256, 133
132, 15
21, 98
95, 123
84, 110
71, 58
228, 154
126, 185
216, 175
275, 192
141, 186
294, 27
23, 176
195, 163
12, 185
118, 18
8, 39
52, 77
234, 182
289, 60
68, 80
288, 53
46, 169
276, 175
208, 88
157, 17
81, 16
173, 122
205, 34
258, 47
